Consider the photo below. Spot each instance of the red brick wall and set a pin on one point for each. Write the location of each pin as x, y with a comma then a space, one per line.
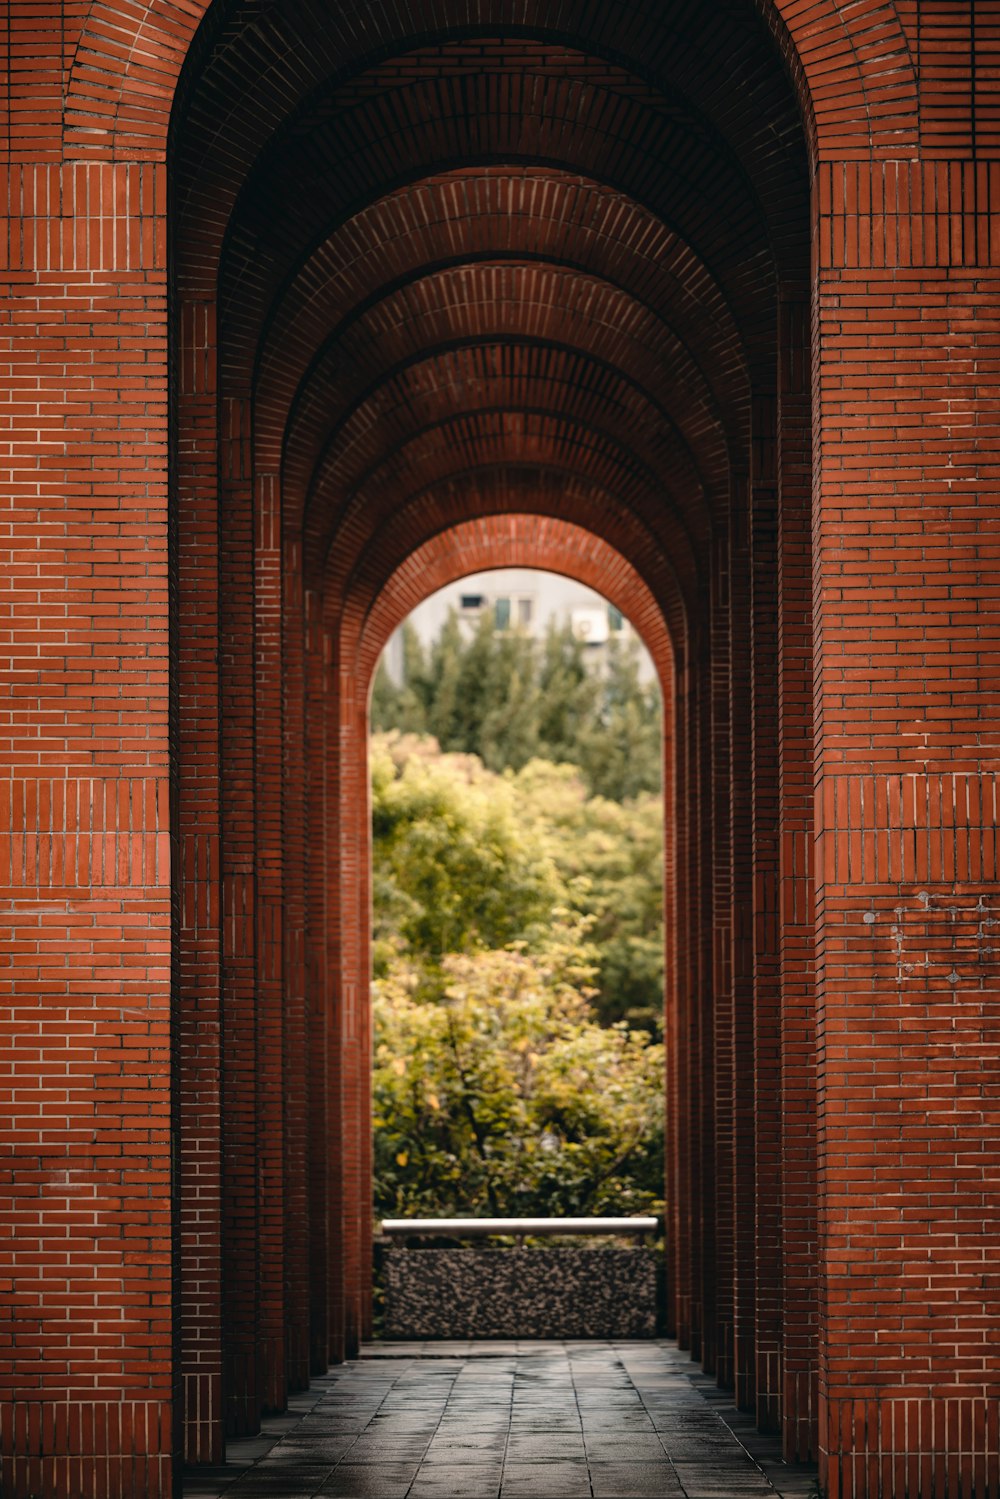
486, 325
86, 1353
906, 699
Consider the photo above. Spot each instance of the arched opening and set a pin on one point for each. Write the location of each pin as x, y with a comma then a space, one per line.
385, 595
429, 266
517, 836
488, 286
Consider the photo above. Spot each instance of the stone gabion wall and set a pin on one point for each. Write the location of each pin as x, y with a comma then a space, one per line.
521, 1293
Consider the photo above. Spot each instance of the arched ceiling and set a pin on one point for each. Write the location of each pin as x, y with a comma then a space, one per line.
551, 496
515, 540
485, 254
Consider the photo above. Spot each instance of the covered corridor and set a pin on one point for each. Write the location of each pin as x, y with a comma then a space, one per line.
527, 1420
315, 307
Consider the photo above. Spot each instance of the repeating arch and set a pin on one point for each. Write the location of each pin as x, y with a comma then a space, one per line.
507, 539
127, 63
488, 283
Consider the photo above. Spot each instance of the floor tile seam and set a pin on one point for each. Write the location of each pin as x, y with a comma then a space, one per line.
735, 1436
579, 1414
279, 1437
744, 1448
722, 1421
344, 1457
416, 1476
510, 1421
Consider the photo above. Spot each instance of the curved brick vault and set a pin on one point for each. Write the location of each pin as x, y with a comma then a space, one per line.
318, 308
379, 594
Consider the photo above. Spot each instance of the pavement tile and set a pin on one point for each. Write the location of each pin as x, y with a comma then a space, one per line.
355, 1481
468, 1481
381, 1450
634, 1480
701, 1482
556, 1480
544, 1446
559, 1421
636, 1446
467, 1447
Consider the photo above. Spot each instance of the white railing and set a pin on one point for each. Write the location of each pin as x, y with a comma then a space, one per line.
482, 1228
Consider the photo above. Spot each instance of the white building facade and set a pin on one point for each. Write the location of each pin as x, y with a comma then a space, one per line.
525, 599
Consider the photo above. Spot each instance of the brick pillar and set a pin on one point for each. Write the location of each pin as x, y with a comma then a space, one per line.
689, 1091
701, 1123
322, 1145
350, 843
797, 901
272, 1083
85, 858
198, 925
354, 972
675, 844
240, 1227
295, 1005
744, 1270
907, 528
766, 1048
679, 1027
720, 1059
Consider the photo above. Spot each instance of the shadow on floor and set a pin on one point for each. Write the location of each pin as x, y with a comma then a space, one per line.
524, 1420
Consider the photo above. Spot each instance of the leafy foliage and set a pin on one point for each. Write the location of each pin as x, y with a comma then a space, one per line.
497, 1087
504, 1096
508, 699
453, 870
609, 857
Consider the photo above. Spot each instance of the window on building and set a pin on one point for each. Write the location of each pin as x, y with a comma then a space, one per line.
525, 611
616, 620
471, 602
501, 613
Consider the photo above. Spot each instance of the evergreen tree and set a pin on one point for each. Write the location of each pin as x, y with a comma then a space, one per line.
501, 696
569, 692
501, 689
620, 750
403, 706
442, 687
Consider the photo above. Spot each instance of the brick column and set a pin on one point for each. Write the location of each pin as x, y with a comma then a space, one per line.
240, 1142
797, 917
908, 553
744, 1269
295, 1003
766, 1051
85, 859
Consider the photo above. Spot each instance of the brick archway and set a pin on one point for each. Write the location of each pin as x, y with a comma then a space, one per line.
125, 68
505, 540
297, 294
409, 327
376, 601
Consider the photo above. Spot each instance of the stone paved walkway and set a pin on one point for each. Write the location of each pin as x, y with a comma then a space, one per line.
507, 1421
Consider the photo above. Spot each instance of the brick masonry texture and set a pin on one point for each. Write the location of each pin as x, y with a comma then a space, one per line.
520, 1293
308, 310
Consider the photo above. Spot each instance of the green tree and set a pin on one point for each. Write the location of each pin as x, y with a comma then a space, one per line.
609, 857
506, 1080
620, 750
402, 706
502, 696
570, 695
482, 694
465, 859
503, 1096
454, 869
